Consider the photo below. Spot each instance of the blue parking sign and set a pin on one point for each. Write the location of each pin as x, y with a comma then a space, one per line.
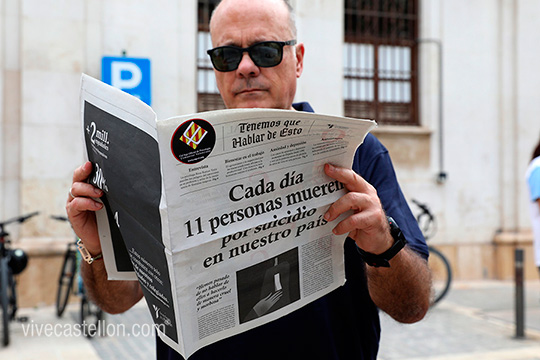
131, 75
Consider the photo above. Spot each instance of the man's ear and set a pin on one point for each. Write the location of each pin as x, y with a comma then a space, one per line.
299, 59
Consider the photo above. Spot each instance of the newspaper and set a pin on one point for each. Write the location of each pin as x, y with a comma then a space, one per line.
218, 215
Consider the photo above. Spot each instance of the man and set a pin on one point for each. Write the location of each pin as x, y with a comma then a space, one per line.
343, 324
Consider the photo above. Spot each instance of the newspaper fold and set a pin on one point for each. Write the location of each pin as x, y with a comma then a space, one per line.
218, 215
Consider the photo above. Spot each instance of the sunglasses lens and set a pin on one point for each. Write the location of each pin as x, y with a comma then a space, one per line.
226, 58
263, 54
267, 54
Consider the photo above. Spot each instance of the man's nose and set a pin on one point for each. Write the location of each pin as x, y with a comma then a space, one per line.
247, 67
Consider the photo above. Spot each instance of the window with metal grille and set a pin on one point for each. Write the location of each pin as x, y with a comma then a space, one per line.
380, 61
208, 97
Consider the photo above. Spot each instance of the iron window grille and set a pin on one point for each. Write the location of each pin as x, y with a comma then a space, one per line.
381, 61
208, 97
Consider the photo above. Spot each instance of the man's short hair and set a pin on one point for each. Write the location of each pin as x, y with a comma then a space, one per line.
292, 17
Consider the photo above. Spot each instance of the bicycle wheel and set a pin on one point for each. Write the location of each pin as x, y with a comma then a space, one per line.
4, 301
65, 282
441, 272
91, 316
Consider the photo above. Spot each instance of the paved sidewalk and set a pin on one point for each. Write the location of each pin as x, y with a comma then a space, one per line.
475, 321
44, 336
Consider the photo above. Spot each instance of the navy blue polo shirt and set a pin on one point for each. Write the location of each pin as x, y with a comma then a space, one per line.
343, 324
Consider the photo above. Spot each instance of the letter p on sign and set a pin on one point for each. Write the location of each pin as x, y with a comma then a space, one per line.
131, 75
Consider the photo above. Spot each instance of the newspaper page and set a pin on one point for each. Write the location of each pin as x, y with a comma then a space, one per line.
232, 235
119, 133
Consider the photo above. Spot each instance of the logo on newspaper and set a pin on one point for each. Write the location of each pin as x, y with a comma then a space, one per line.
161, 317
156, 309
99, 139
193, 136
193, 141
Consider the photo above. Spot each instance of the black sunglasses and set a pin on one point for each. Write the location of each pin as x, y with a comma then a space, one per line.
263, 54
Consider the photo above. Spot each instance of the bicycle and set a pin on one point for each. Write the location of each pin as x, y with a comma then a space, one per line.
67, 275
90, 314
438, 263
12, 262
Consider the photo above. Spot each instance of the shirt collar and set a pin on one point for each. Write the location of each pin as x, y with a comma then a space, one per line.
303, 106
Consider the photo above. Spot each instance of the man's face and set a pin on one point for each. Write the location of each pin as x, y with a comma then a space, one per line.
243, 23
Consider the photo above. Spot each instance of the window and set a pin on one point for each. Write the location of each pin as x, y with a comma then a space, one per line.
380, 61
208, 97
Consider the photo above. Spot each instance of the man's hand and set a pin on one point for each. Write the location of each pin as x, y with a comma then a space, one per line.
403, 290
80, 208
112, 296
368, 225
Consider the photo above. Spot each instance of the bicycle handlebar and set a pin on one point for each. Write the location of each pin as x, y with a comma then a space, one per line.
426, 220
420, 205
423, 207
59, 218
19, 219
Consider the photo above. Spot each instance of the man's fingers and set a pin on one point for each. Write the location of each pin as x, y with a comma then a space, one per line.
82, 172
351, 201
79, 187
358, 221
351, 180
82, 204
83, 189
